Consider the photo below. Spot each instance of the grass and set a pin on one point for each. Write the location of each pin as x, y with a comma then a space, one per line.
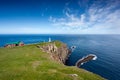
30, 63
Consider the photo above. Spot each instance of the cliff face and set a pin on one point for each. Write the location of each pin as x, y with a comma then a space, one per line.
59, 53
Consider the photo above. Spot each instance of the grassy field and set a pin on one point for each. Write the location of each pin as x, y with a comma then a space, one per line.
30, 63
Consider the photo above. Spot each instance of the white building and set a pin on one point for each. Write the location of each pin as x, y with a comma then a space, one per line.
49, 39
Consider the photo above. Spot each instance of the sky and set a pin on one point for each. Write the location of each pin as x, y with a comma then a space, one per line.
59, 17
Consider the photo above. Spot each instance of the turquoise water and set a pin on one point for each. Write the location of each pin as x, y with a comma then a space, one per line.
105, 47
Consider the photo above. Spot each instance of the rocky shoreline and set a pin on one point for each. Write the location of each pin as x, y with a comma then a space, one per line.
61, 53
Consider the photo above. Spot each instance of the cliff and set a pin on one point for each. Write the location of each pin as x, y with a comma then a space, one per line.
58, 52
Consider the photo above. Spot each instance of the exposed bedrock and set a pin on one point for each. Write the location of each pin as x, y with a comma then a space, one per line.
59, 53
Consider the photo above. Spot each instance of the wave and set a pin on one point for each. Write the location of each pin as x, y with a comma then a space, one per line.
73, 48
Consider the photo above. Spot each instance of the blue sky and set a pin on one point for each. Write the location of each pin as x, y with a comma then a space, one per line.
59, 17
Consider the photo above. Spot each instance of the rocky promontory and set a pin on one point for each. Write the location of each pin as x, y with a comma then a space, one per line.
58, 50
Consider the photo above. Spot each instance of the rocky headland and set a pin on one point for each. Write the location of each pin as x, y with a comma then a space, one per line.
40, 61
58, 53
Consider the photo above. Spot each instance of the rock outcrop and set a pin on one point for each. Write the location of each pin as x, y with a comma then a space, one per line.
58, 53
86, 59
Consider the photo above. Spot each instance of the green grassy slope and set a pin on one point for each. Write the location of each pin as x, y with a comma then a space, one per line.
30, 63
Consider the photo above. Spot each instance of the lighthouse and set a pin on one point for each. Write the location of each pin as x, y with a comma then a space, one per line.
49, 39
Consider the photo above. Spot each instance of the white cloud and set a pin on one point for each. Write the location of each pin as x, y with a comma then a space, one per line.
97, 19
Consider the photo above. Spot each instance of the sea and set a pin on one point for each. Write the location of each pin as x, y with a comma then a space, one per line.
105, 47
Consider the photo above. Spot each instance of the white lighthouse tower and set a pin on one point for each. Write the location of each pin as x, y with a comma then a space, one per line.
49, 39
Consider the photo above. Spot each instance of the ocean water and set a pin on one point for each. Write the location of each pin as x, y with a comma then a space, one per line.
105, 47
